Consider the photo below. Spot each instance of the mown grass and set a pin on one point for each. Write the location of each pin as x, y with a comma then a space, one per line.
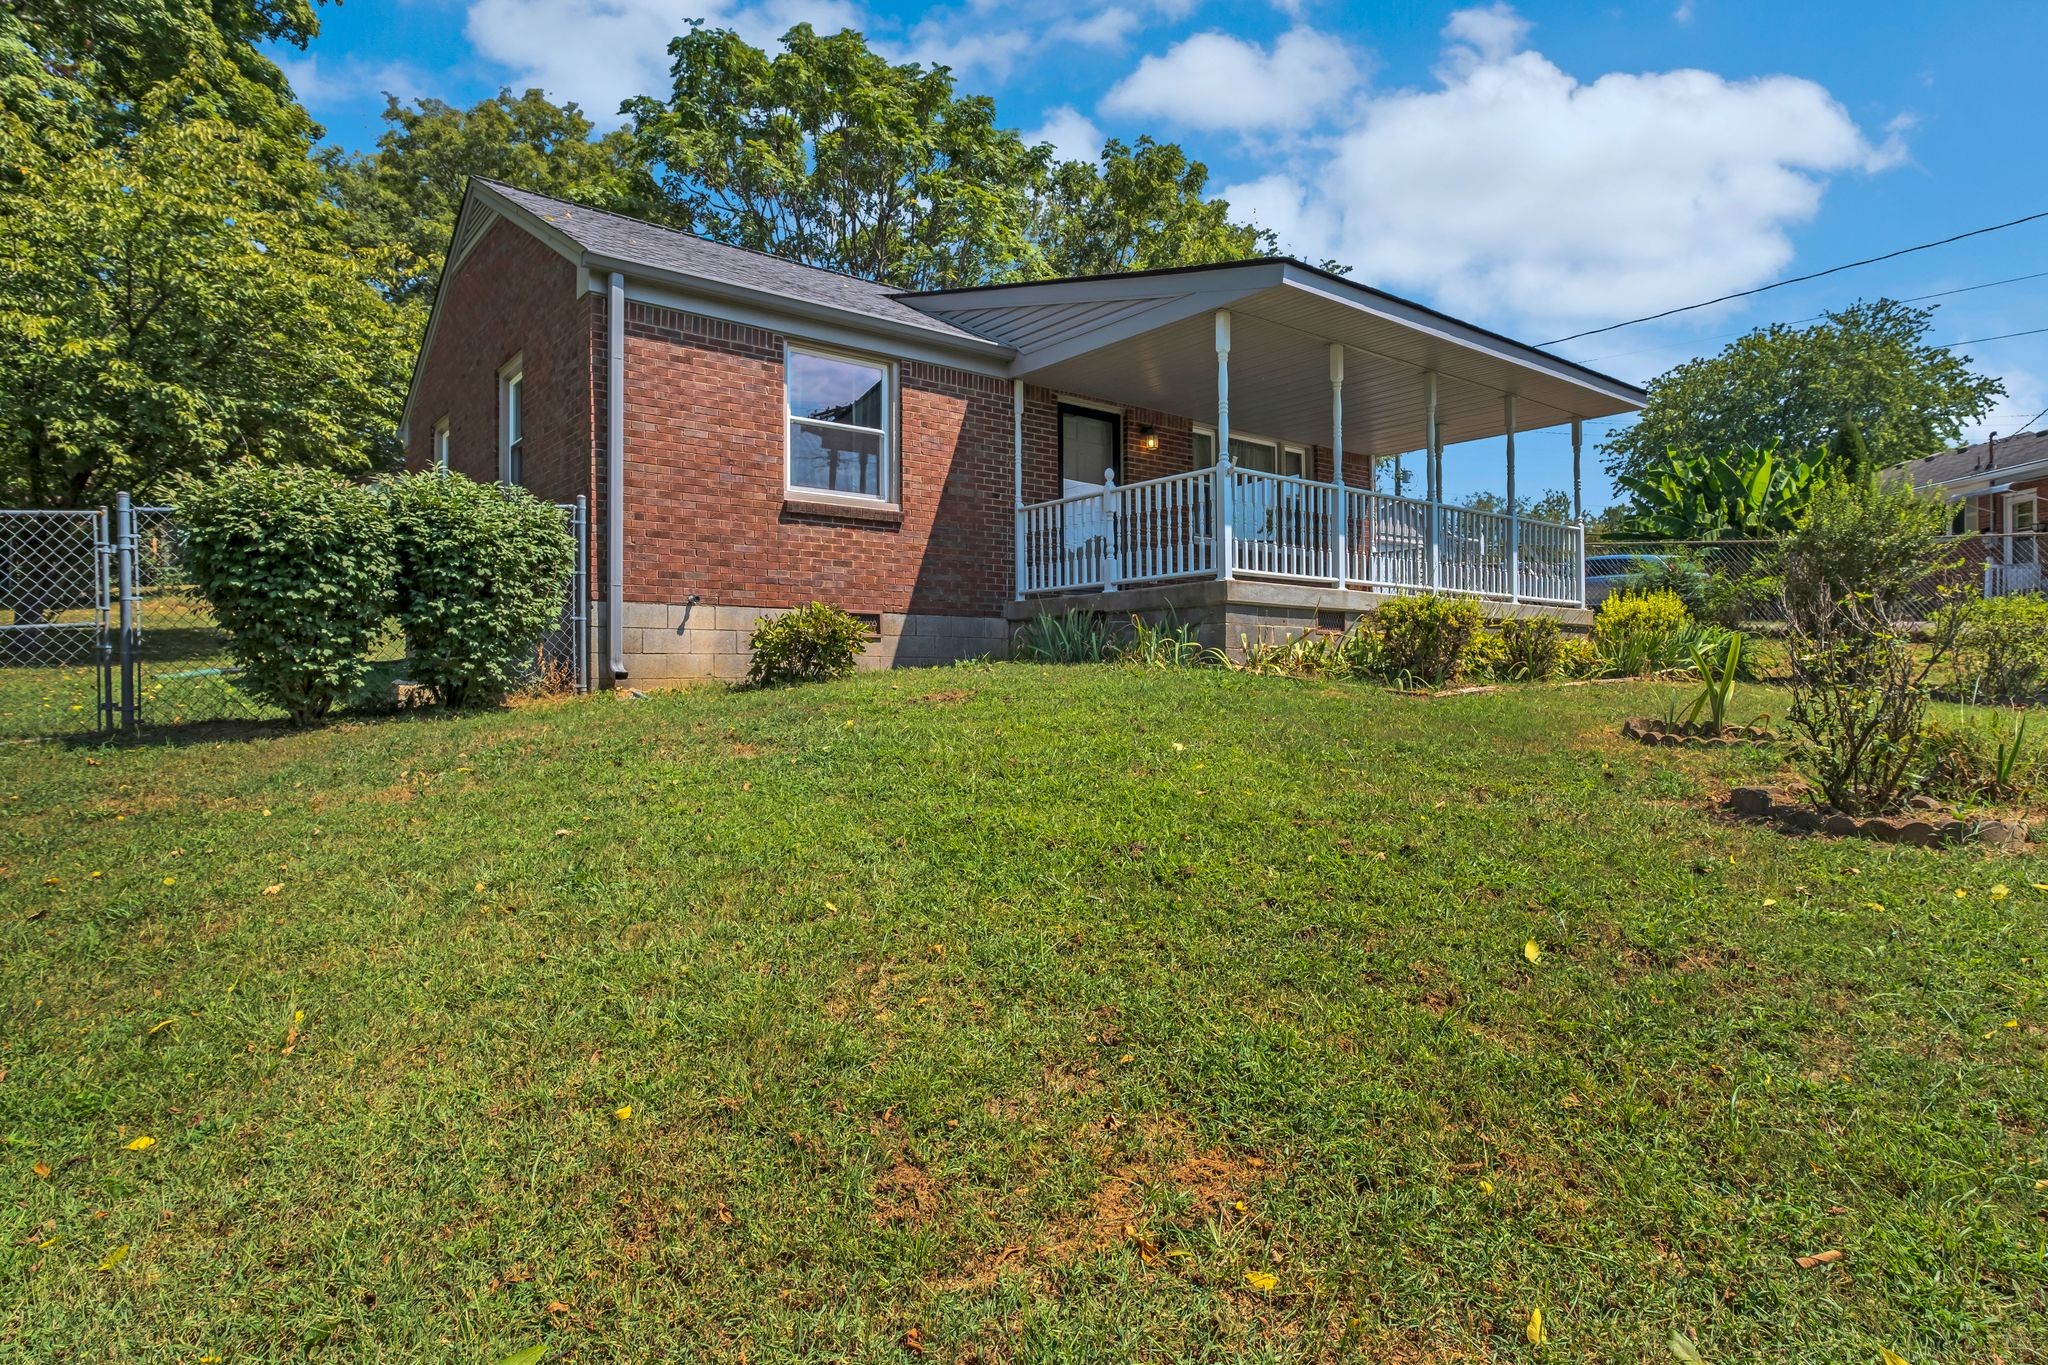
1001, 1013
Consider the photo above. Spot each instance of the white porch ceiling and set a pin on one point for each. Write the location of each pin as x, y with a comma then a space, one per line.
1149, 341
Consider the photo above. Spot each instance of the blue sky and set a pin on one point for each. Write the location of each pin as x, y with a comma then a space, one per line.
1537, 168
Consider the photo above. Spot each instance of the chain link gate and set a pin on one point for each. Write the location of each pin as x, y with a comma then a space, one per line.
56, 653
103, 628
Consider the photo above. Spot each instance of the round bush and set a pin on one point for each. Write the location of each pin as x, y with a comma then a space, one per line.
297, 566
806, 645
482, 570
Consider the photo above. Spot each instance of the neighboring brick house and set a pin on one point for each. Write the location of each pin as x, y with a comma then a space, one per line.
949, 463
1998, 488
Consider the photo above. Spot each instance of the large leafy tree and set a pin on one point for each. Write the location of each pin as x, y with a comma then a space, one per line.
409, 190
1137, 207
1869, 365
178, 297
830, 154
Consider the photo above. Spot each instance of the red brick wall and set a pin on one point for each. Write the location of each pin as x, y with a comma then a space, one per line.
513, 296
705, 509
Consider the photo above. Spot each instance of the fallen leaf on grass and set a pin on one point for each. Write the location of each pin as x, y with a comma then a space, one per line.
1531, 951
557, 1306
273, 888
623, 1112
1265, 1281
1536, 1331
1683, 1347
142, 1144
531, 1355
2000, 891
1828, 1257
160, 1026
1887, 1356
1486, 1187
114, 1257
42, 1170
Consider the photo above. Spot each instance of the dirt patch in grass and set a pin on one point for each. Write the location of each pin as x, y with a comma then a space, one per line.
945, 697
905, 1193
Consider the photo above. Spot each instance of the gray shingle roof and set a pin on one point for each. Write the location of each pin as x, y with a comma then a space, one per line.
630, 240
1952, 466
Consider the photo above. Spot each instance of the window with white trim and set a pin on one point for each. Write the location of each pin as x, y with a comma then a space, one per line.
840, 410
441, 444
511, 422
1251, 452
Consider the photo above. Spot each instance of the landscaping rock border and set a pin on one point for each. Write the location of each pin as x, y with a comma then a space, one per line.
1927, 826
1649, 730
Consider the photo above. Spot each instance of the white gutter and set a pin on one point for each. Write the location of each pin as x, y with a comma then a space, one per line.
615, 471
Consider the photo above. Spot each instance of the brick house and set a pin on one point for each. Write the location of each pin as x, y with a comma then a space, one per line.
1997, 487
948, 464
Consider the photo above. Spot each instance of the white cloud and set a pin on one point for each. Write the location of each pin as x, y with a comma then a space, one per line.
599, 52
1072, 133
1214, 81
1514, 189
317, 84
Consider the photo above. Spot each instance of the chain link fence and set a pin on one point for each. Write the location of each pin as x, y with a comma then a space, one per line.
1736, 576
102, 626
54, 594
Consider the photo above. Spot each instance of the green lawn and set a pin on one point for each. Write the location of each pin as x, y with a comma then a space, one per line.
1002, 1013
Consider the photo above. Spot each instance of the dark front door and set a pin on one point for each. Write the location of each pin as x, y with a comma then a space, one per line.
1091, 445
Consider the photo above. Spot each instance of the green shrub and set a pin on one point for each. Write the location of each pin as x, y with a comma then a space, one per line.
1576, 658
298, 567
1427, 639
1979, 757
1530, 646
2001, 649
1075, 636
1714, 595
482, 569
1856, 577
809, 644
1639, 633
1486, 657
1169, 644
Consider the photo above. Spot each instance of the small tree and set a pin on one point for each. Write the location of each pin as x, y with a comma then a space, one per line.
481, 573
1854, 583
297, 566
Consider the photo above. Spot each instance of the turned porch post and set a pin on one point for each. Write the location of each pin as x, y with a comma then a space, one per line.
1514, 512
1433, 478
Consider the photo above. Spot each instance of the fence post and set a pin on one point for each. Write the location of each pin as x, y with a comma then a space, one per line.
130, 635
579, 584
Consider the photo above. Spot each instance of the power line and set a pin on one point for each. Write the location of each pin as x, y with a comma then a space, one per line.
1801, 279
1730, 336
2002, 336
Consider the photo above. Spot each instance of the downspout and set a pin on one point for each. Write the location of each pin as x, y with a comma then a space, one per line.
615, 471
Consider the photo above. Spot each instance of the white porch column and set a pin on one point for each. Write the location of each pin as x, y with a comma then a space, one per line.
1433, 478
1578, 499
1225, 550
1017, 476
1514, 513
1343, 565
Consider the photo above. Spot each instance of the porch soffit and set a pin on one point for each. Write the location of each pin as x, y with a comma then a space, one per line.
1148, 348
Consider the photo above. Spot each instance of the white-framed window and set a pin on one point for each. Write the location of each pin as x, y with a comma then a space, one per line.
841, 410
2021, 525
441, 444
1251, 452
511, 420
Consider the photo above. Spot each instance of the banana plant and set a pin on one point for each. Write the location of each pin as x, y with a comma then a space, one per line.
1748, 493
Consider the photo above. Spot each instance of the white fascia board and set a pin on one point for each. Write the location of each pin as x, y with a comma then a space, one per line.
804, 320
1462, 335
1164, 313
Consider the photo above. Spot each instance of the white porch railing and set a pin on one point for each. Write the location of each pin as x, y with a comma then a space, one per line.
1286, 529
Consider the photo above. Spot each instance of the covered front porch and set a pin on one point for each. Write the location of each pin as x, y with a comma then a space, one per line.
1225, 424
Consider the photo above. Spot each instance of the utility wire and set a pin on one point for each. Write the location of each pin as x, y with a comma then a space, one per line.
1730, 336
2002, 336
1801, 279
